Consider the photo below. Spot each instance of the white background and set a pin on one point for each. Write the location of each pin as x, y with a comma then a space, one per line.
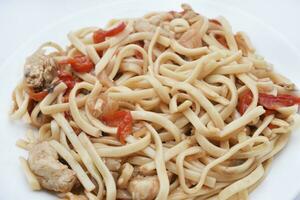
21, 20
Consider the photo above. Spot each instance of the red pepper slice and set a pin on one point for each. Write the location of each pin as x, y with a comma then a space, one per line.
37, 96
81, 64
100, 35
116, 30
244, 101
273, 102
269, 112
67, 78
121, 119
269, 102
271, 126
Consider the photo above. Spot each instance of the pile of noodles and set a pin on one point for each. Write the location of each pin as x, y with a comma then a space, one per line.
187, 131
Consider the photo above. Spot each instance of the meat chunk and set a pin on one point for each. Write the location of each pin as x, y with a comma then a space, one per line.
123, 194
70, 196
144, 188
192, 38
39, 70
160, 17
144, 25
102, 105
189, 14
52, 175
113, 164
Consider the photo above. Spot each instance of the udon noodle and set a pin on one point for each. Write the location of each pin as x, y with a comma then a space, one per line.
172, 105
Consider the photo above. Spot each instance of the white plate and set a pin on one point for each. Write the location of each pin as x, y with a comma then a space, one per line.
283, 179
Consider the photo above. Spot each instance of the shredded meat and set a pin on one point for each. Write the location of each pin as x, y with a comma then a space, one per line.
144, 188
52, 175
39, 70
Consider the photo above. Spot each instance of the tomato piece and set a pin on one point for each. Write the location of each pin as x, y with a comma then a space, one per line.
67, 78
82, 64
100, 35
269, 112
269, 102
116, 30
273, 102
37, 96
271, 126
121, 119
244, 101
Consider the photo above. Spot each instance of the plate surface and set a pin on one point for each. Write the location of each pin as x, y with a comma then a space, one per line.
283, 180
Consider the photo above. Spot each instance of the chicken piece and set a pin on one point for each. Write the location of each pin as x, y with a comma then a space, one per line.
123, 194
143, 25
115, 175
102, 105
160, 18
71, 196
39, 70
189, 14
192, 38
144, 187
52, 175
113, 164
126, 174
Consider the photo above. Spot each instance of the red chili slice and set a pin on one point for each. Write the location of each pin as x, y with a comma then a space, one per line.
116, 30
37, 96
269, 102
122, 120
67, 78
100, 35
82, 64
273, 102
244, 101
